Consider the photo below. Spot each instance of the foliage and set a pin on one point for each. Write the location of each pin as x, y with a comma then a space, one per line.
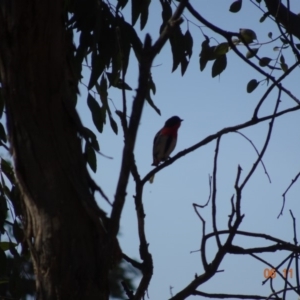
107, 42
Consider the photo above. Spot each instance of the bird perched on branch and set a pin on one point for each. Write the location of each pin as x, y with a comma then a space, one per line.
165, 140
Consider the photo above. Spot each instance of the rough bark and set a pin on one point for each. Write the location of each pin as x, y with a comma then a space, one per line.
66, 237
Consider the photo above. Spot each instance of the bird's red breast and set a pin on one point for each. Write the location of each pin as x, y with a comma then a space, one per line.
170, 130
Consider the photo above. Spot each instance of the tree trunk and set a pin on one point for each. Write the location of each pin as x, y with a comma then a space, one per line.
62, 225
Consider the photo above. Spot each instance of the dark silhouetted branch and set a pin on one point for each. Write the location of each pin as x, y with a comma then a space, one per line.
214, 136
285, 192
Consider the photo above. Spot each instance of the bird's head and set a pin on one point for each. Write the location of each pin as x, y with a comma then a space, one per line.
173, 121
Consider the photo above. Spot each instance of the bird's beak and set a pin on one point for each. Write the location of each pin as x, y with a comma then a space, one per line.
181, 120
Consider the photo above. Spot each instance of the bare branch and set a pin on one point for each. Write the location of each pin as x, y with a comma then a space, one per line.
272, 267
202, 247
238, 194
294, 227
296, 253
128, 292
267, 237
147, 269
285, 192
124, 101
209, 196
265, 145
230, 296
273, 248
232, 212
276, 83
266, 172
278, 292
212, 268
214, 193
134, 263
286, 279
214, 136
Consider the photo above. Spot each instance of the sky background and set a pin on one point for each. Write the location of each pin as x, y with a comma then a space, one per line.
207, 105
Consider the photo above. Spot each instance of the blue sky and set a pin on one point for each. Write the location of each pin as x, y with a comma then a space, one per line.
207, 105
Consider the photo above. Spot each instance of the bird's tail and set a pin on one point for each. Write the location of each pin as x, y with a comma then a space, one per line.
151, 179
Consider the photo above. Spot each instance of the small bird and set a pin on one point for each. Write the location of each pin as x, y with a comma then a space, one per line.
165, 140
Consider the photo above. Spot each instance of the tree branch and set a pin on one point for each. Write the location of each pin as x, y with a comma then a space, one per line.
148, 54
230, 296
214, 136
264, 167
284, 16
285, 192
266, 143
228, 36
214, 192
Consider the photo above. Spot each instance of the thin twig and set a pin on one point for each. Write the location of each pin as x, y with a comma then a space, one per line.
238, 191
228, 36
272, 267
209, 196
233, 210
278, 292
266, 143
266, 172
202, 246
128, 292
134, 263
124, 101
230, 296
285, 192
286, 280
296, 253
294, 227
214, 193
288, 246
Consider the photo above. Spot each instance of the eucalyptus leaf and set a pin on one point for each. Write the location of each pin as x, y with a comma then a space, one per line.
113, 124
188, 43
151, 103
252, 85
2, 133
91, 157
98, 66
284, 67
263, 18
247, 35
235, 6
221, 49
219, 65
91, 138
18, 232
96, 112
264, 61
6, 245
252, 53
